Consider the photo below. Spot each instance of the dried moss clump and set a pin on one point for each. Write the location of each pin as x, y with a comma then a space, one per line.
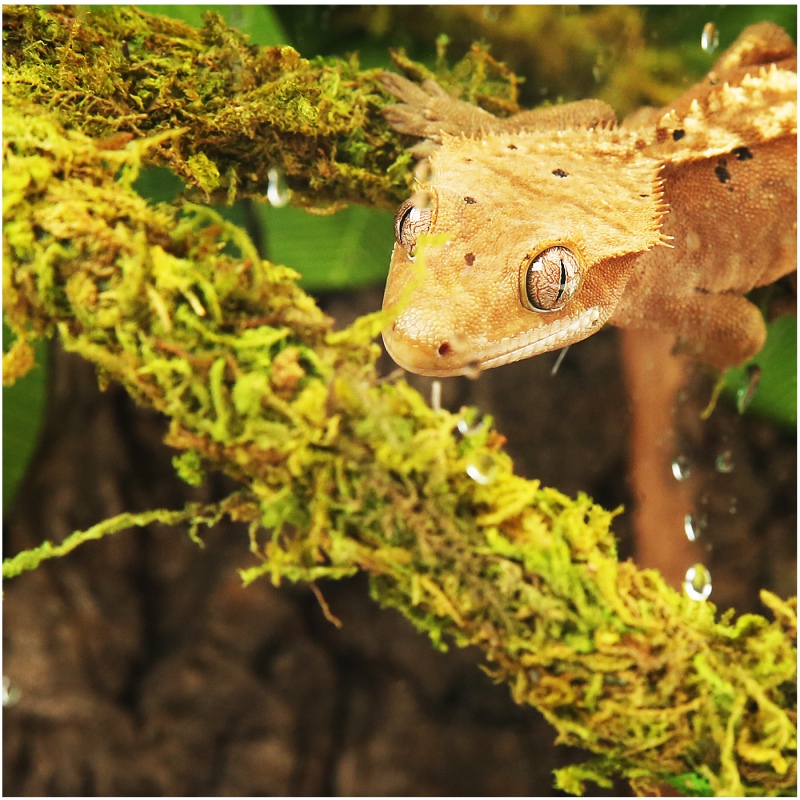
116, 72
340, 472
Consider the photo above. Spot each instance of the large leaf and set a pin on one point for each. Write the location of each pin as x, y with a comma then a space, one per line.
23, 410
775, 397
347, 249
259, 22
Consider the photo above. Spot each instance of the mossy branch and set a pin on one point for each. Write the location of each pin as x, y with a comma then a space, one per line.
115, 72
340, 471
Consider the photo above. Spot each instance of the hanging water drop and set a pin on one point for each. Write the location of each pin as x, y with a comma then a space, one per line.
278, 191
436, 395
697, 583
10, 694
473, 371
470, 422
561, 353
709, 40
724, 462
693, 526
482, 469
747, 390
681, 468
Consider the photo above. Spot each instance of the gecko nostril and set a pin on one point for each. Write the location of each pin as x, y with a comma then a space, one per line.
444, 349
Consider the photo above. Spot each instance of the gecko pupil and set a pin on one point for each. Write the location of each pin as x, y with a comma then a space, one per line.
562, 284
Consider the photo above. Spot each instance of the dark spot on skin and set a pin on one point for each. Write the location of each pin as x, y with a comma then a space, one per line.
678, 134
559, 173
444, 348
644, 195
470, 200
512, 147
467, 160
469, 258
723, 176
742, 153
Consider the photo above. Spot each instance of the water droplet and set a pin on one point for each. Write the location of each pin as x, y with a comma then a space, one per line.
724, 462
693, 526
681, 468
278, 191
709, 40
473, 371
747, 390
561, 353
482, 468
10, 694
697, 583
423, 171
600, 68
470, 421
436, 395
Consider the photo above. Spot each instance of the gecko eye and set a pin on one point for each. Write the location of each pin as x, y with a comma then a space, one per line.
551, 279
413, 218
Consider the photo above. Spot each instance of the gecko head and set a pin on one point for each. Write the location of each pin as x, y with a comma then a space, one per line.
498, 260
460, 311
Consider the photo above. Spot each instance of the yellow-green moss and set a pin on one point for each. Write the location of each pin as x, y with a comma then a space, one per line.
340, 471
118, 71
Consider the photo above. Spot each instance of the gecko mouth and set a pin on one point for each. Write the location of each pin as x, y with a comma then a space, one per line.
549, 337
445, 357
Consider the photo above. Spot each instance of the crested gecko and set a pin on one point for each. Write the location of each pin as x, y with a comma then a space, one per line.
538, 229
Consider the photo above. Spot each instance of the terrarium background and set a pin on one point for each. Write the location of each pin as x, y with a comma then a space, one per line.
146, 668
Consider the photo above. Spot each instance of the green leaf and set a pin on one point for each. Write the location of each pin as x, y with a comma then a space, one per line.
259, 22
23, 410
344, 250
776, 394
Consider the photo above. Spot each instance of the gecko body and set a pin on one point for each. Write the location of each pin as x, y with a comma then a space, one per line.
532, 232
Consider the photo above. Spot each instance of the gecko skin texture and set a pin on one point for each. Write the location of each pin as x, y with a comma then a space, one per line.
532, 232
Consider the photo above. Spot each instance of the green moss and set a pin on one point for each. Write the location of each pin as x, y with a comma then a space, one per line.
118, 71
340, 471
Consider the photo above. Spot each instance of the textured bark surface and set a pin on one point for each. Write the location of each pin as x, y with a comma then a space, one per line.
145, 668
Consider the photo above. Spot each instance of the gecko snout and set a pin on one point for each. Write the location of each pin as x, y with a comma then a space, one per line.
423, 350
